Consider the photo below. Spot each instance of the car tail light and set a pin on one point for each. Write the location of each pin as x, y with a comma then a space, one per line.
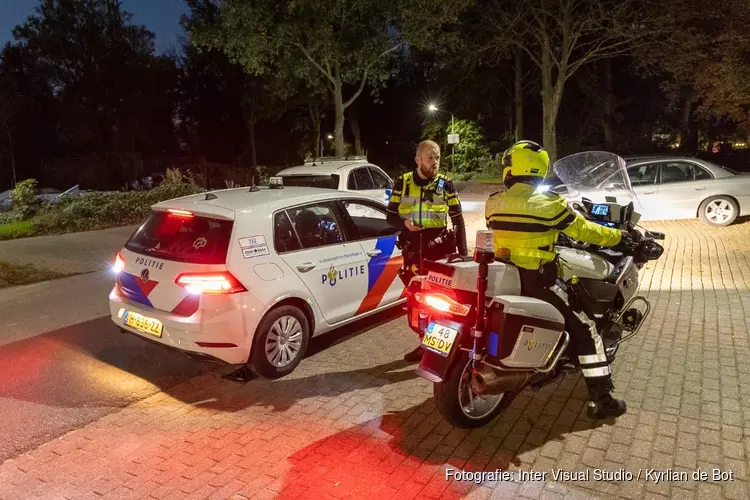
213, 283
119, 264
180, 213
441, 302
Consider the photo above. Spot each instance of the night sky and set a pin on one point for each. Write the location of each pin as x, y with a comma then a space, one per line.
160, 16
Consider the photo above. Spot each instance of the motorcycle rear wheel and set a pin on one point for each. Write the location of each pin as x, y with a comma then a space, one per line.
454, 398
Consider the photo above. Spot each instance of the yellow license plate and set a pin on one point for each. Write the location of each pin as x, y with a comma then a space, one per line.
143, 323
439, 338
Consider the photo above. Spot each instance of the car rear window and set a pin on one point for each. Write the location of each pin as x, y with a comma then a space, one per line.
317, 181
196, 240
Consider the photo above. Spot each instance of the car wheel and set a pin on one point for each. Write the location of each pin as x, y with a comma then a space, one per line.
280, 342
719, 211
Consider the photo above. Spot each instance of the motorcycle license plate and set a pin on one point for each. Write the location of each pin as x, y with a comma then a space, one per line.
439, 338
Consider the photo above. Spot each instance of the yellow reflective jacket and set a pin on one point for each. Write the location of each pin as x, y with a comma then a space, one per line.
427, 206
526, 224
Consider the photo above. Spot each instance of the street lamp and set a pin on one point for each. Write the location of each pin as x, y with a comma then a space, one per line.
433, 108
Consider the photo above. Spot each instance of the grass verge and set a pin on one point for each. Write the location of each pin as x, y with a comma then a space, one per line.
14, 274
17, 229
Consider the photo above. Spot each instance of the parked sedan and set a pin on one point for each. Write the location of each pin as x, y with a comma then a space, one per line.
677, 187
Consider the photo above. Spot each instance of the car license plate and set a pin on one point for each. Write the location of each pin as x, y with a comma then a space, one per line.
439, 338
143, 323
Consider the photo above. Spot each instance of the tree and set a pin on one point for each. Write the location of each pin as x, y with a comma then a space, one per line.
111, 91
348, 43
561, 36
703, 56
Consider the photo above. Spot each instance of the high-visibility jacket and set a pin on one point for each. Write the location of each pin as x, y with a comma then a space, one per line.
427, 206
526, 224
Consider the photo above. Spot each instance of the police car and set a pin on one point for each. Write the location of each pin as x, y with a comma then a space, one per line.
248, 275
345, 174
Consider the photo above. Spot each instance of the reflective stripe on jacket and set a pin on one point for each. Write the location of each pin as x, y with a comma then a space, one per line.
526, 225
426, 206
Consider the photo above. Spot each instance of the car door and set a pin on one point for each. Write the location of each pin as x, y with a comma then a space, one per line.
360, 180
333, 269
383, 183
679, 192
643, 180
367, 224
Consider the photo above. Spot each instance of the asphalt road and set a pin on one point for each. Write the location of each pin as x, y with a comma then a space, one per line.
65, 364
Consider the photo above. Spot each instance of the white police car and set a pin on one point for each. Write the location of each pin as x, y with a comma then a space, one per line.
248, 275
345, 174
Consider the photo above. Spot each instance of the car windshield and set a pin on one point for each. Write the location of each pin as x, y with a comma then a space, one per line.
317, 181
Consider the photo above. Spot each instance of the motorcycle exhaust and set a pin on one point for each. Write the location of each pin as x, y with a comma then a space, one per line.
493, 382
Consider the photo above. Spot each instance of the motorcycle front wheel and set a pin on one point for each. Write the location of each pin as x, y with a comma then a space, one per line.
460, 405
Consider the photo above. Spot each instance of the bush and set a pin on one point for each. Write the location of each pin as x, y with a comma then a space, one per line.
103, 210
25, 202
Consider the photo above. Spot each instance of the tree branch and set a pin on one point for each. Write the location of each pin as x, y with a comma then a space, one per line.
298, 44
367, 70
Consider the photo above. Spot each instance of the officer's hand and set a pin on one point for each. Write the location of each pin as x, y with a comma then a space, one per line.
411, 226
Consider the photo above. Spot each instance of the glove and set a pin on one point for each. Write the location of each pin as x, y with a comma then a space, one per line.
627, 241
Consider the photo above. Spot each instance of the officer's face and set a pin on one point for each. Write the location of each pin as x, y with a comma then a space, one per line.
429, 161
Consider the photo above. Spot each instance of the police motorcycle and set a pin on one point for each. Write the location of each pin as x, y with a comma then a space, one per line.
484, 342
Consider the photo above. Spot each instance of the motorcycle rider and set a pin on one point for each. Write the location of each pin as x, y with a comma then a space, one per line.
525, 225
419, 206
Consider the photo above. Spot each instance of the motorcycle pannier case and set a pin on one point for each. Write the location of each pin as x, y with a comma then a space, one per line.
523, 331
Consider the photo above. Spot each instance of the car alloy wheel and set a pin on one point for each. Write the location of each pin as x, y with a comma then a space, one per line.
284, 341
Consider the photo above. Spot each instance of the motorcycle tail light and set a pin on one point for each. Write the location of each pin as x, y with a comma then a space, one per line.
443, 303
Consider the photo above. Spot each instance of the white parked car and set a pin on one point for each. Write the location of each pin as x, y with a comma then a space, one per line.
353, 174
247, 276
677, 187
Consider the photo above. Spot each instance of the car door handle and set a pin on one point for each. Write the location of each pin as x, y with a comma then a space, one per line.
374, 253
305, 267
700, 189
649, 192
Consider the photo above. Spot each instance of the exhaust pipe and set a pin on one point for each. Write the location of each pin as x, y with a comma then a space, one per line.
494, 382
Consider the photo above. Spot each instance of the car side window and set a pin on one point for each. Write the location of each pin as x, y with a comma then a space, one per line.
701, 174
369, 221
284, 237
676, 171
316, 225
642, 175
381, 181
362, 179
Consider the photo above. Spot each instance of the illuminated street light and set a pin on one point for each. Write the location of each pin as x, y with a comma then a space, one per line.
433, 108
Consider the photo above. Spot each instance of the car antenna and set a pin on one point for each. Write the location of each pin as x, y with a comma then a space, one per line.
210, 196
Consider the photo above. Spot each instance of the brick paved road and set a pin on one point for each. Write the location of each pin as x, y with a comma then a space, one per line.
355, 422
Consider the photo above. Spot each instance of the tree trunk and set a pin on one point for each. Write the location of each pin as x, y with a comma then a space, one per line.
356, 131
315, 121
338, 127
609, 102
518, 95
550, 104
251, 120
688, 139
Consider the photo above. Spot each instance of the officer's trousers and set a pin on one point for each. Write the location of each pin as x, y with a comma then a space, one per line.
586, 342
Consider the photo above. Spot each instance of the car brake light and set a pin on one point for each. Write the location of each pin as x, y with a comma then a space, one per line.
119, 264
214, 283
443, 303
179, 213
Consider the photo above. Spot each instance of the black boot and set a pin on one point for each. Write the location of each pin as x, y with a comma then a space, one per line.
606, 407
415, 355
601, 404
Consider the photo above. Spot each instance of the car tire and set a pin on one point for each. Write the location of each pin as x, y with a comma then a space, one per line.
267, 358
729, 210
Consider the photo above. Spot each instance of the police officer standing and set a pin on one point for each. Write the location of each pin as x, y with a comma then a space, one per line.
420, 204
526, 224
